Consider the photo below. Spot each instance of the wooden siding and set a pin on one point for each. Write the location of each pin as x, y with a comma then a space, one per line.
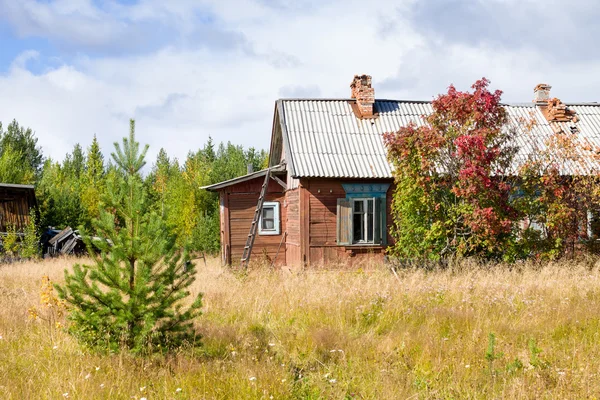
292, 200
241, 203
308, 216
15, 206
322, 228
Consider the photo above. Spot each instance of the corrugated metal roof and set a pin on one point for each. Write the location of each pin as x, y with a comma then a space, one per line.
243, 178
327, 140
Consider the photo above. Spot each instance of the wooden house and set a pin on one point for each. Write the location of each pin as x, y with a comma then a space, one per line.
329, 195
16, 202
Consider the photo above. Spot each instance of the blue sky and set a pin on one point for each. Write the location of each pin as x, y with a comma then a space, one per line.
187, 69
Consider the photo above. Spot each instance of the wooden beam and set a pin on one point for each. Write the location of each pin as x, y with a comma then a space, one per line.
304, 222
282, 183
227, 234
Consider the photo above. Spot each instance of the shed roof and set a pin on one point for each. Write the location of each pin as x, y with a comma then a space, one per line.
16, 186
243, 178
324, 138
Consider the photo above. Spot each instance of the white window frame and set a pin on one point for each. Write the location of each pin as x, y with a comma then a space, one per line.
364, 200
276, 223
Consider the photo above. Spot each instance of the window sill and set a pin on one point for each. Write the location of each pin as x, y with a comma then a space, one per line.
364, 246
268, 233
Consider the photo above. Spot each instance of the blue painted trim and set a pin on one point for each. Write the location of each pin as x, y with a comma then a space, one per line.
366, 189
370, 190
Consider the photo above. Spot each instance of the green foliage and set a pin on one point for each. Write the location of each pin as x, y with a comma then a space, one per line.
10, 243
534, 355
23, 142
58, 196
71, 192
30, 247
192, 214
132, 296
12, 168
490, 354
451, 198
457, 193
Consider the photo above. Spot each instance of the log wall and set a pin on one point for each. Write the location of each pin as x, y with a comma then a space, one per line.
293, 241
322, 235
15, 206
240, 204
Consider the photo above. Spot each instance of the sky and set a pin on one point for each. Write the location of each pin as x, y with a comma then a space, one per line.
189, 69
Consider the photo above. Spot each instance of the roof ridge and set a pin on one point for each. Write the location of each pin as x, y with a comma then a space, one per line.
509, 104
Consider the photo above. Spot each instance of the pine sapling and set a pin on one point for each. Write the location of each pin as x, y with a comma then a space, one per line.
131, 296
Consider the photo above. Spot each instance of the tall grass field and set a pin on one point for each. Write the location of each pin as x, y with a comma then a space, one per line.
467, 332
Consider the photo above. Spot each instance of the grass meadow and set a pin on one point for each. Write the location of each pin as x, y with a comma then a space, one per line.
467, 332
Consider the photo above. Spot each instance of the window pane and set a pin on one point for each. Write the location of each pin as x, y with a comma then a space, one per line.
358, 206
269, 212
357, 226
268, 224
370, 221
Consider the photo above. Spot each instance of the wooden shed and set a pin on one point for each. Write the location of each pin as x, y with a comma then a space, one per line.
16, 202
329, 197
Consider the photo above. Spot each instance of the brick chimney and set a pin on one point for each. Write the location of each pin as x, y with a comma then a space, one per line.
541, 93
364, 95
553, 109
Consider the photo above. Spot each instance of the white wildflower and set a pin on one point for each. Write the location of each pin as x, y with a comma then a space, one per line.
88, 376
102, 386
97, 368
332, 381
177, 390
54, 348
468, 366
252, 378
66, 395
142, 388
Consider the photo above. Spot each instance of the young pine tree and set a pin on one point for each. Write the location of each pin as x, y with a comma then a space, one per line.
131, 297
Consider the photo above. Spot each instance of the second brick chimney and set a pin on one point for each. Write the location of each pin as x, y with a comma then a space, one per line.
553, 109
541, 93
364, 95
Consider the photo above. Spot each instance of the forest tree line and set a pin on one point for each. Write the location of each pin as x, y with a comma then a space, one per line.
70, 191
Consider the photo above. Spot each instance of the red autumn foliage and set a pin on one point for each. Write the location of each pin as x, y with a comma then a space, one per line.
463, 148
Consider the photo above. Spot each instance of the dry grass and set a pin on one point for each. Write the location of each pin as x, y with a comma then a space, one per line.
333, 335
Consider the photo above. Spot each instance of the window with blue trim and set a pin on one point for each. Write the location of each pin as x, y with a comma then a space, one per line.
361, 215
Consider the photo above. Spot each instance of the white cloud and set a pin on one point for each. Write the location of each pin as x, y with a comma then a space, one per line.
222, 80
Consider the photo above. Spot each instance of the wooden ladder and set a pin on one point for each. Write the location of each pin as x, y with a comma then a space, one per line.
253, 228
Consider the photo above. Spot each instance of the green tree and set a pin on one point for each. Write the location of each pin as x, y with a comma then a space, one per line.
12, 169
452, 174
30, 247
74, 163
59, 197
24, 142
93, 185
131, 297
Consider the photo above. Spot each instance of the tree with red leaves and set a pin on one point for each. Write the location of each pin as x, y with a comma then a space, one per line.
452, 195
